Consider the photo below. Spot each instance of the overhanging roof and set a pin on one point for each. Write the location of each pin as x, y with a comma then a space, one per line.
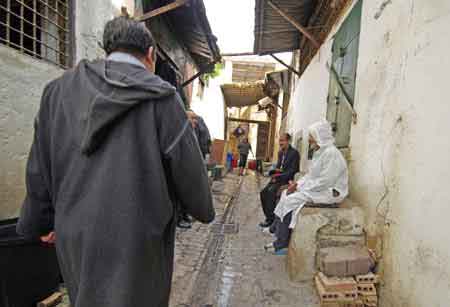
273, 33
249, 71
191, 27
243, 94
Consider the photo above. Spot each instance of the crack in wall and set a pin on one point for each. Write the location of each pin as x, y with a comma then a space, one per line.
383, 6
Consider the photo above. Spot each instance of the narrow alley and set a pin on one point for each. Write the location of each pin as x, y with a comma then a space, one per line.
238, 153
225, 264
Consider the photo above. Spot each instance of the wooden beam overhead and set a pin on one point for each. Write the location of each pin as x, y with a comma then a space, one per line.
186, 83
250, 121
299, 27
285, 65
162, 10
238, 54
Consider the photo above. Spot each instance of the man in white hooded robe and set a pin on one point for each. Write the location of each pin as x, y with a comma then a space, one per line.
325, 183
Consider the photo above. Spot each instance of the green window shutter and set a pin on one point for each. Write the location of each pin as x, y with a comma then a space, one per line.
344, 60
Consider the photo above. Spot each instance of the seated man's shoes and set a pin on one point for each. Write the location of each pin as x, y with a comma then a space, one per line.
267, 231
281, 252
271, 249
265, 224
184, 224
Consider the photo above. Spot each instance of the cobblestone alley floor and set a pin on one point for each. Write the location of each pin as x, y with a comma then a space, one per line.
224, 264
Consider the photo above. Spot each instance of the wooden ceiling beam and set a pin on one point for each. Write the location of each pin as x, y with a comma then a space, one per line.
250, 121
162, 10
298, 26
285, 65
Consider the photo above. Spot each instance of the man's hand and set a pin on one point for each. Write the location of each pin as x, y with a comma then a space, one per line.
50, 238
292, 187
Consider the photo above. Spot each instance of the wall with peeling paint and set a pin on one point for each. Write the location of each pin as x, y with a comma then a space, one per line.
400, 162
91, 17
22, 80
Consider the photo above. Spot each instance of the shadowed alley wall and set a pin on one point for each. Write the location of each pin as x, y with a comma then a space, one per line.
22, 80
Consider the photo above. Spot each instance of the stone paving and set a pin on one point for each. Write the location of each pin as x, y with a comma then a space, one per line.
191, 247
235, 270
224, 264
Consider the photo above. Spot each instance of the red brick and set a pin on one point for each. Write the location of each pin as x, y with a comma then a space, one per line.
367, 290
345, 261
370, 300
336, 284
357, 303
332, 297
367, 279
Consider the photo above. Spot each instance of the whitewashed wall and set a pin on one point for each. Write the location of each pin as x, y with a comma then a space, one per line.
22, 80
400, 162
211, 105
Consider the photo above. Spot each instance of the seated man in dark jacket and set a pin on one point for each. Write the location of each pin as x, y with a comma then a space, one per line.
287, 166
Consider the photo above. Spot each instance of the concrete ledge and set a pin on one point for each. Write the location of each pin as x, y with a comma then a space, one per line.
322, 227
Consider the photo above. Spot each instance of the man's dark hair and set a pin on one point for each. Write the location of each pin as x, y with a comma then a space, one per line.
287, 136
128, 35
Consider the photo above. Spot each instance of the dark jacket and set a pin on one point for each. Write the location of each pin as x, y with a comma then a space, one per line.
289, 164
112, 148
203, 136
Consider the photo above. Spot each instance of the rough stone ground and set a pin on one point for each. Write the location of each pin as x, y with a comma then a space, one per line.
225, 265
234, 270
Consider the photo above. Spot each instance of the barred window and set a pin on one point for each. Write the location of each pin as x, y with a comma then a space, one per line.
39, 28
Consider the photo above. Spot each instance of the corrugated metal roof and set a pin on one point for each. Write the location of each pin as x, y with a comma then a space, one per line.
191, 26
243, 94
273, 33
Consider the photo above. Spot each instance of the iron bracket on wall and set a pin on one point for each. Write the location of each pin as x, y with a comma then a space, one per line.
348, 100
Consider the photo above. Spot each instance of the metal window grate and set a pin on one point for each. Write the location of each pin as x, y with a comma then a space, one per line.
39, 28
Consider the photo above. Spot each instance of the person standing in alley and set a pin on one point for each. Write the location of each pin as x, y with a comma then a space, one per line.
112, 149
244, 148
287, 166
201, 131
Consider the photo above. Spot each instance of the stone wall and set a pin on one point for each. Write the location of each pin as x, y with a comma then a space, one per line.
399, 162
22, 80
91, 17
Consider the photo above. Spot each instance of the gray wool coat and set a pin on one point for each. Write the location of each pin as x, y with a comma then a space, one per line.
112, 151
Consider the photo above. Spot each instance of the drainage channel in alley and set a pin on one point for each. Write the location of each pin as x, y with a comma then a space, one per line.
234, 270
209, 274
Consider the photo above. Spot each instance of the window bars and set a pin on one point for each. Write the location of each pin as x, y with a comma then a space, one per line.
39, 28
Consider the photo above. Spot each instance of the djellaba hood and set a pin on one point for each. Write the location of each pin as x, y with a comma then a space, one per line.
112, 89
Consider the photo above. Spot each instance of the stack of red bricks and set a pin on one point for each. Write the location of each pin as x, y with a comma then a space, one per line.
345, 278
358, 291
367, 290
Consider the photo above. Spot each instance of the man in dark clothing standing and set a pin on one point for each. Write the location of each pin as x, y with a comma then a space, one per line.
287, 166
244, 148
201, 131
112, 150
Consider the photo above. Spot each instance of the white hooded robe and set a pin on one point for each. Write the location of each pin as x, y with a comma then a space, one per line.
328, 172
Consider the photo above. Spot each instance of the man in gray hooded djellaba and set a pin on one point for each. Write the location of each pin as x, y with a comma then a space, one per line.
112, 148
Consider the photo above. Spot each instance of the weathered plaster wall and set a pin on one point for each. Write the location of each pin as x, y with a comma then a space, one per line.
21, 82
399, 164
91, 17
211, 105
403, 125
309, 100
